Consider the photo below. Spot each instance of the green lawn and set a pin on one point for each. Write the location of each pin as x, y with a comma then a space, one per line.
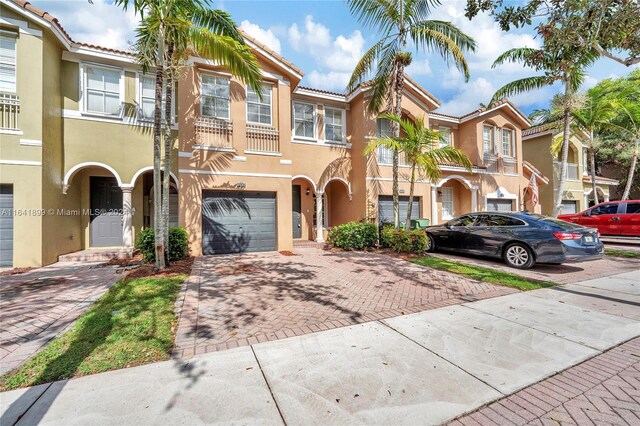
132, 324
622, 253
482, 274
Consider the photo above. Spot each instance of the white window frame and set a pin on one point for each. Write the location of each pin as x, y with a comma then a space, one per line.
314, 117
449, 132
84, 99
266, 87
511, 146
449, 191
140, 77
489, 151
200, 95
585, 161
343, 114
14, 37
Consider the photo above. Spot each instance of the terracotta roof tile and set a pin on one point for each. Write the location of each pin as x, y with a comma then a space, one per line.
326, 92
540, 128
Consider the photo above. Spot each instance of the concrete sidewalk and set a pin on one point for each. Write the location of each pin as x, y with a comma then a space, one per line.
424, 368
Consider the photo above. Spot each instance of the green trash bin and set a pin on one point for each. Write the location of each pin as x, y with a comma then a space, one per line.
419, 223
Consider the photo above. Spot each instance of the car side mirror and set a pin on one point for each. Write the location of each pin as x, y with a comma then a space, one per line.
446, 225
587, 213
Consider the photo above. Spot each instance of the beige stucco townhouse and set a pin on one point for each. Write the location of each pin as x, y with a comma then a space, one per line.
578, 190
248, 174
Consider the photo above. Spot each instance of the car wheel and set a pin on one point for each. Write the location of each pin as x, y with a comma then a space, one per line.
431, 244
518, 255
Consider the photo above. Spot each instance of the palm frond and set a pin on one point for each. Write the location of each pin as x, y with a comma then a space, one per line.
517, 54
217, 21
379, 15
520, 86
365, 65
435, 36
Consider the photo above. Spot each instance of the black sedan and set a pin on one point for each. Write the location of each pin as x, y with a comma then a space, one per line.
521, 239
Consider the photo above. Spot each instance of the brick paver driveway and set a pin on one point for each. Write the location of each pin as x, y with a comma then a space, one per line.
567, 273
237, 300
604, 390
38, 305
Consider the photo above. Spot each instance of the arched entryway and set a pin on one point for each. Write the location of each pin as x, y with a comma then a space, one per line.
142, 183
452, 196
590, 199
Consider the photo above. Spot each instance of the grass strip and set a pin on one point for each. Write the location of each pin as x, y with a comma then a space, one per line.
482, 274
622, 253
133, 323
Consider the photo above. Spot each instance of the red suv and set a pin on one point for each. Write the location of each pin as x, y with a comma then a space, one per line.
620, 218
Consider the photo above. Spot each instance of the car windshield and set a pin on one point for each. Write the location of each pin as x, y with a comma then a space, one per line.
561, 223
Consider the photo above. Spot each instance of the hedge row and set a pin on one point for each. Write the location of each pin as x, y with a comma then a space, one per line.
360, 235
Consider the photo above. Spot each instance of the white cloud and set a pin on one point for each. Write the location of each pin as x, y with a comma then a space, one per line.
267, 37
99, 23
469, 97
419, 68
335, 56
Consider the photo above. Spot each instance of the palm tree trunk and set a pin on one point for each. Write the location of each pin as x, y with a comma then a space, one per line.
167, 155
565, 150
157, 154
632, 169
410, 205
399, 86
592, 171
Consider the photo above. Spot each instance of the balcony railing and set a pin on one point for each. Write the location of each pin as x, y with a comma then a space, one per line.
572, 170
9, 111
490, 161
509, 166
262, 138
214, 132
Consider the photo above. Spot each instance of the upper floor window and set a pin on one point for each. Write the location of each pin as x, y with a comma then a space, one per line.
148, 99
334, 130
103, 90
445, 133
508, 148
487, 140
7, 64
259, 111
303, 120
383, 128
214, 96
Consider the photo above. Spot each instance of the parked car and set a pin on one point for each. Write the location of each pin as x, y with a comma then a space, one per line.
520, 239
620, 218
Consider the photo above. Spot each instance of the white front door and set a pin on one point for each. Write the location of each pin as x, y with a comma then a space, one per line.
447, 203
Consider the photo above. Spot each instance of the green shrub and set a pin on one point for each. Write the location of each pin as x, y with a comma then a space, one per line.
178, 244
386, 235
408, 241
353, 235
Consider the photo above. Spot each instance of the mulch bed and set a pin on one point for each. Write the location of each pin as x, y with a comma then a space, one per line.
146, 270
137, 259
16, 271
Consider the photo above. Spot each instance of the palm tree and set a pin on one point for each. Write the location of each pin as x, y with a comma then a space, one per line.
561, 64
629, 128
422, 151
399, 21
592, 117
167, 34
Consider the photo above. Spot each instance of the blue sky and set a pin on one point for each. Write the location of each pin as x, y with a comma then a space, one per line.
326, 42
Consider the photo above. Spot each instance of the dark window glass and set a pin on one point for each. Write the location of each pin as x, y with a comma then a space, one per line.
604, 209
463, 221
498, 220
633, 208
561, 223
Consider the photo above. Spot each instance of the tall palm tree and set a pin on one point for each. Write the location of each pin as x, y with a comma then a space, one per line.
629, 128
592, 117
168, 33
422, 151
398, 22
563, 65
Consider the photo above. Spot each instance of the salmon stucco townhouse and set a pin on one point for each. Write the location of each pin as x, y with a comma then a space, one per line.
249, 173
578, 189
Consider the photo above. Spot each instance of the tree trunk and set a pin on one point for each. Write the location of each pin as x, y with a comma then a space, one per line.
166, 177
592, 171
632, 170
565, 151
399, 85
157, 169
407, 224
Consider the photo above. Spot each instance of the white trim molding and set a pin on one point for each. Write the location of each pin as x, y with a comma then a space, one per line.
246, 174
339, 179
147, 169
72, 171
287, 162
21, 163
459, 178
307, 178
30, 142
502, 193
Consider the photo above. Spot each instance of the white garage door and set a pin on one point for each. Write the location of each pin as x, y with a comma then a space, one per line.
569, 207
499, 205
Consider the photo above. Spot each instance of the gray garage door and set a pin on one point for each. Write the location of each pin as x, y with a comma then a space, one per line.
385, 208
6, 226
569, 207
499, 205
235, 222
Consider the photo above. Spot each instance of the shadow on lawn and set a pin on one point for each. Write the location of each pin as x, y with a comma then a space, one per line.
124, 310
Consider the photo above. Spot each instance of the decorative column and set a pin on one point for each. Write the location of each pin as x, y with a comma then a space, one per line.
319, 218
434, 205
474, 199
127, 217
